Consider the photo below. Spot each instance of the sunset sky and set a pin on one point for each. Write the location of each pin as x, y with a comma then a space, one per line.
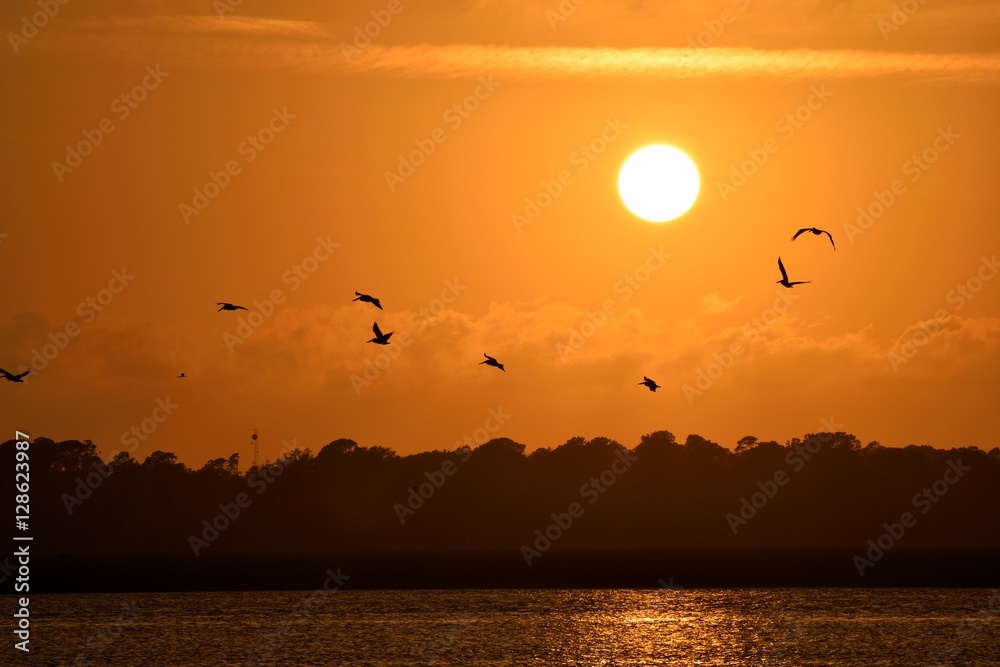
311, 133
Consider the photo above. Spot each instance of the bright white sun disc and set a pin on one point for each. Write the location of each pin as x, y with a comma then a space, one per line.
658, 183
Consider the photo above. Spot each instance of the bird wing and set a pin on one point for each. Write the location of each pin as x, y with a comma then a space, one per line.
21, 375
378, 332
378, 304
831, 239
800, 282
241, 308
781, 267
488, 357
5, 373
801, 231
357, 293
645, 379
222, 303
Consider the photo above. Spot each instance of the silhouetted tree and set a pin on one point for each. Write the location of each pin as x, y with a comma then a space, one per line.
495, 496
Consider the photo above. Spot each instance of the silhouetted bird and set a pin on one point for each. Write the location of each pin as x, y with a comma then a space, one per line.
380, 338
817, 232
649, 383
784, 277
228, 306
490, 361
368, 299
12, 377
182, 375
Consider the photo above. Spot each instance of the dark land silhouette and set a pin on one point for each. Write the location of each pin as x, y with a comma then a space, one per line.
585, 513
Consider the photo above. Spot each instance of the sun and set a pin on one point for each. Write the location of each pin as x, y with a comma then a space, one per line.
658, 183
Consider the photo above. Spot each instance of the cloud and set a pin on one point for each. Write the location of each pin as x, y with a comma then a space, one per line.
936, 348
713, 303
244, 43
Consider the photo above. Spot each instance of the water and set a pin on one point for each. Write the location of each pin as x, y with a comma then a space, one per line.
906, 627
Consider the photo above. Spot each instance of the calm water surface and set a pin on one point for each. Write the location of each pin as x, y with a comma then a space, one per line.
908, 627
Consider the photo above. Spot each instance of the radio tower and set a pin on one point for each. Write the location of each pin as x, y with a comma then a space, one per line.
253, 439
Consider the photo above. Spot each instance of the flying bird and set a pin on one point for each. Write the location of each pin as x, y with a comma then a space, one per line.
228, 306
380, 338
490, 361
368, 299
649, 383
817, 232
784, 277
182, 375
12, 377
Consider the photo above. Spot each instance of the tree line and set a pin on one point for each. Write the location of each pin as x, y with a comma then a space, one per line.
821, 490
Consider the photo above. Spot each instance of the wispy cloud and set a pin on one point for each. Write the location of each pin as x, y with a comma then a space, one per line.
253, 44
713, 303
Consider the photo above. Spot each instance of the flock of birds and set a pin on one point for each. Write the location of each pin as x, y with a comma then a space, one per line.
379, 339
784, 282
383, 338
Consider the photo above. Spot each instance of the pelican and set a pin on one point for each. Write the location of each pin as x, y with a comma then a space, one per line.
14, 378
228, 306
784, 277
380, 338
817, 232
649, 383
368, 299
490, 361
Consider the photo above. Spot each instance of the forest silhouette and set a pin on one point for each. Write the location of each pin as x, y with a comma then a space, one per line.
823, 491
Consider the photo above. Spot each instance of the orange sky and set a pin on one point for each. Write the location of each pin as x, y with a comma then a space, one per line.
328, 123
